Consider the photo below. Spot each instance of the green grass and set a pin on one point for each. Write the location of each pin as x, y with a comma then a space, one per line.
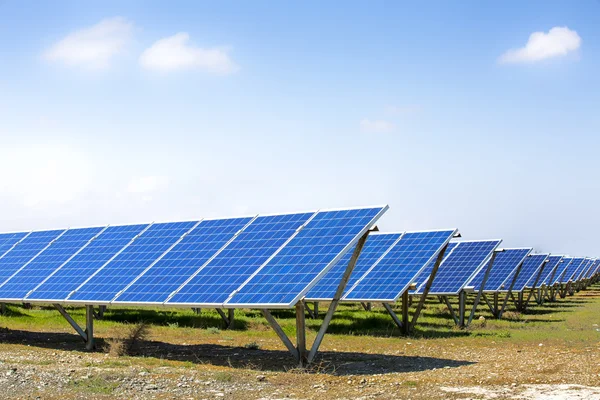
94, 385
565, 320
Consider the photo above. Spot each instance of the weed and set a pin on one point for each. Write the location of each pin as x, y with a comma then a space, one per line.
223, 377
126, 344
252, 346
213, 330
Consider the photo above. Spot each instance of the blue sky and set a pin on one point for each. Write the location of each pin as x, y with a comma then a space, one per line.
455, 114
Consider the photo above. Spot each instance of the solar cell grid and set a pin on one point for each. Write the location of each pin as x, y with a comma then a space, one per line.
571, 270
505, 264
58, 285
25, 251
394, 273
131, 262
531, 271
465, 260
187, 257
583, 272
423, 276
592, 269
550, 270
309, 255
9, 240
561, 269
218, 279
57, 253
375, 247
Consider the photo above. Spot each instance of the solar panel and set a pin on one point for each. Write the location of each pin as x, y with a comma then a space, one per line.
397, 270
562, 268
183, 260
114, 276
571, 270
529, 277
505, 264
423, 276
376, 246
591, 270
52, 257
549, 271
584, 269
220, 277
59, 284
286, 278
596, 269
9, 240
25, 251
465, 261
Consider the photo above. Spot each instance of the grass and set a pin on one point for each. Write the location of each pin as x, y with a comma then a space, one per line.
566, 320
94, 385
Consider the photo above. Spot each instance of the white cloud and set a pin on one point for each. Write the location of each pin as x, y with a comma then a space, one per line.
559, 41
92, 47
147, 184
177, 53
376, 126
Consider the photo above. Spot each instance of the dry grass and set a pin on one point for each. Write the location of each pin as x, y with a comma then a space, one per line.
128, 340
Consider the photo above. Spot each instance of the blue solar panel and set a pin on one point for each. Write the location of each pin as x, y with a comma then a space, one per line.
46, 262
530, 272
505, 264
24, 251
571, 270
423, 276
183, 260
9, 240
394, 273
583, 270
377, 244
465, 260
595, 269
550, 270
306, 258
240, 259
131, 262
590, 271
562, 268
71, 275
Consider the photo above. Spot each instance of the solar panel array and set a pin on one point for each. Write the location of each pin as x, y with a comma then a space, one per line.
571, 270
550, 270
263, 260
464, 261
505, 264
530, 274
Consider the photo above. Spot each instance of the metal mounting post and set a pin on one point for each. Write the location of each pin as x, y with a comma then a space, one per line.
395, 318
462, 299
336, 298
228, 319
405, 305
72, 322
300, 333
454, 317
436, 266
480, 292
308, 310
89, 327
286, 341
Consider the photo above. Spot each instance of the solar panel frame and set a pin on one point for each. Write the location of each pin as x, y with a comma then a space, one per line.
465, 282
406, 286
592, 269
348, 247
573, 267
582, 274
12, 239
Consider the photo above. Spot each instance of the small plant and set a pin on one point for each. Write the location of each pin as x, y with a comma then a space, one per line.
513, 316
125, 345
213, 330
252, 346
223, 377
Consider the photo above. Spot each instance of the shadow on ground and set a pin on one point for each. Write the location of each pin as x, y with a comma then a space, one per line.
335, 363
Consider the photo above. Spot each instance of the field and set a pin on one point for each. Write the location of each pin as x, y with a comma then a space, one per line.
550, 351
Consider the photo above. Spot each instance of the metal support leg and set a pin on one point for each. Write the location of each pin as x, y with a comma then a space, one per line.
480, 292
72, 322
445, 299
230, 317
405, 320
495, 311
308, 310
488, 303
286, 341
336, 298
316, 309
89, 327
2, 308
436, 266
300, 333
197, 311
462, 299
394, 316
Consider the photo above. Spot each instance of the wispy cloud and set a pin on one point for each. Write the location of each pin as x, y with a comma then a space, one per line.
376, 126
92, 47
559, 41
177, 53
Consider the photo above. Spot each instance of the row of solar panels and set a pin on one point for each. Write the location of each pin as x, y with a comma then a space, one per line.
267, 260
